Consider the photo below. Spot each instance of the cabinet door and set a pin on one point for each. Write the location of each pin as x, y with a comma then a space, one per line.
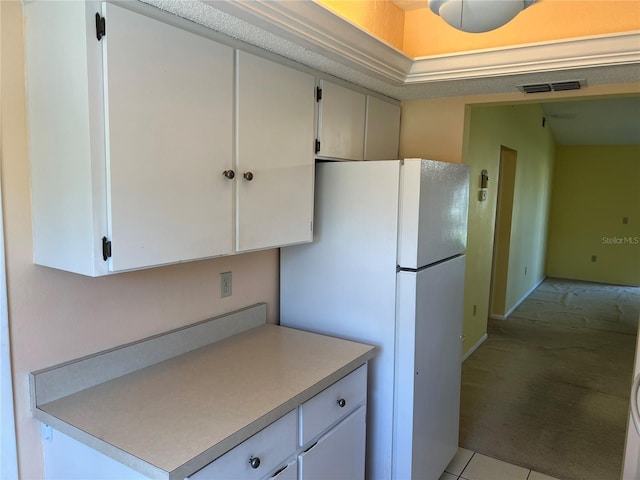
290, 472
275, 136
341, 124
340, 453
169, 106
382, 131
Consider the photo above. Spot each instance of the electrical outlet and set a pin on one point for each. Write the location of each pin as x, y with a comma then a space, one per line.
225, 284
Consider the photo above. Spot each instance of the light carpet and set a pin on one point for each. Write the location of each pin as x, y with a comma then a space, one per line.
549, 389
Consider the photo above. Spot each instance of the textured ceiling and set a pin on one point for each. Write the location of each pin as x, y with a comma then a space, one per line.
211, 14
607, 121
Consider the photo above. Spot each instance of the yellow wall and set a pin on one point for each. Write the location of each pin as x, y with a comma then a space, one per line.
427, 34
382, 18
56, 316
519, 128
420, 32
594, 187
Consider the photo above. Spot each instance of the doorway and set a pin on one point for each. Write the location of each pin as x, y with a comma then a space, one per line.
502, 233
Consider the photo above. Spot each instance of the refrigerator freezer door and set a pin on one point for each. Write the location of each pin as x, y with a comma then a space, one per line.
428, 368
433, 212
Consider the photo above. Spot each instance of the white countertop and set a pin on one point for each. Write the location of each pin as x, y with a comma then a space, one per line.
182, 413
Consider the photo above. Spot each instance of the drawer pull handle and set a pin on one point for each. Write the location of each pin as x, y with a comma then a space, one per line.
229, 174
254, 462
342, 402
248, 176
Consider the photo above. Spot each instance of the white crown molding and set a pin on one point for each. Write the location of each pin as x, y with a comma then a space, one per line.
567, 54
312, 33
311, 25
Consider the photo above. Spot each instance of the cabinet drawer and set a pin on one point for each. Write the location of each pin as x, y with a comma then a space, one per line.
332, 404
271, 445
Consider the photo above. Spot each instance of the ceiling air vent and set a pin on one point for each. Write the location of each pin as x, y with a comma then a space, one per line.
570, 85
552, 86
539, 88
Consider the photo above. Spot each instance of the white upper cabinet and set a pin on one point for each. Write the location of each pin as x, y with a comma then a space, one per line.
138, 157
169, 104
382, 130
275, 158
66, 135
341, 122
355, 126
129, 136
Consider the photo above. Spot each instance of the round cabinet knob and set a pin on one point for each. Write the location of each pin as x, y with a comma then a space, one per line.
342, 402
248, 176
254, 462
230, 174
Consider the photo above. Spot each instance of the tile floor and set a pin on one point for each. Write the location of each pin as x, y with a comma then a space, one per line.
468, 465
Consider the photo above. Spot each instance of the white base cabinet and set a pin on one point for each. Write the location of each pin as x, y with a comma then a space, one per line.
322, 439
331, 433
142, 139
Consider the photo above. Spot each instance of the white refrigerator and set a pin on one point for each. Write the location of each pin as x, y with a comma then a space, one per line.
386, 267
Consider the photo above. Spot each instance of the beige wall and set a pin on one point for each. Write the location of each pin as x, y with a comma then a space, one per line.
56, 316
594, 188
433, 129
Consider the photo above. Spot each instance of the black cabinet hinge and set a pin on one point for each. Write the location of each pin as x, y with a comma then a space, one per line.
318, 94
101, 26
317, 146
106, 249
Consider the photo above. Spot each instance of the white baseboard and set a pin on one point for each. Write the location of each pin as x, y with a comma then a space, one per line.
524, 297
475, 347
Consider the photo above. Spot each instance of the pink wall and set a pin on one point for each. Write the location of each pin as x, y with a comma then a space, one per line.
57, 316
